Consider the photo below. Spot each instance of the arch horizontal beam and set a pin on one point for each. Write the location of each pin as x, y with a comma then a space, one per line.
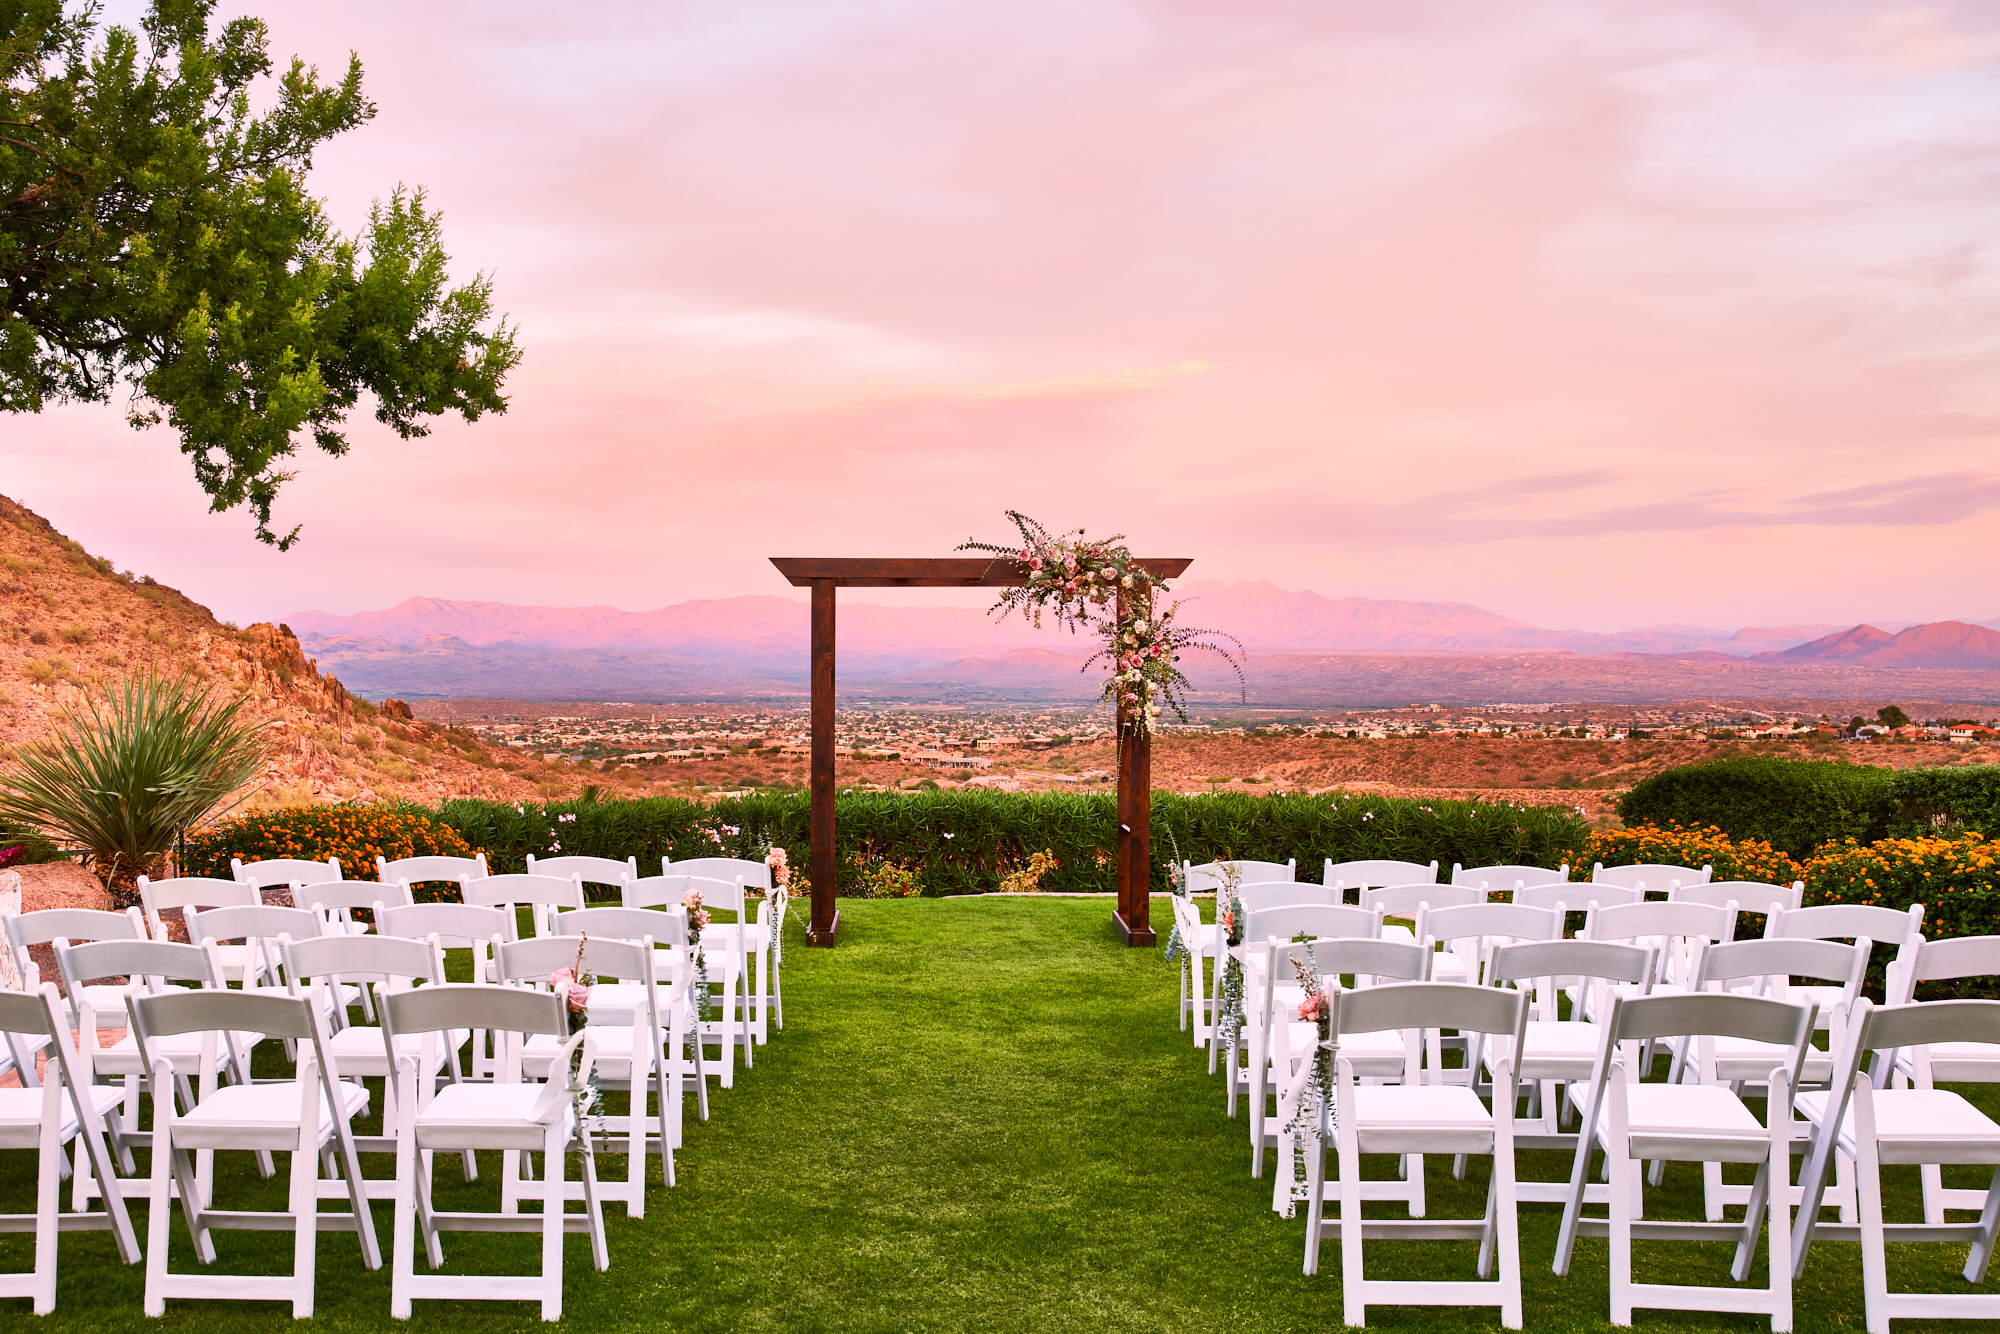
931, 571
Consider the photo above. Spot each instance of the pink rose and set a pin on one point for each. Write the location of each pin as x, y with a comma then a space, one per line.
1035, 563
1312, 1009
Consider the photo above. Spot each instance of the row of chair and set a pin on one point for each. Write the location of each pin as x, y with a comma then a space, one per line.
1557, 1030
296, 972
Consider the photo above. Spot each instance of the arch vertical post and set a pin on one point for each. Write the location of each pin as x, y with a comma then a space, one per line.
1134, 854
825, 868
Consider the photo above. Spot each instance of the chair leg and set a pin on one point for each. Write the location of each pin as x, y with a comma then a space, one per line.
305, 1223
159, 1230
1989, 1225
48, 1196
1623, 1170
1353, 1299
552, 1226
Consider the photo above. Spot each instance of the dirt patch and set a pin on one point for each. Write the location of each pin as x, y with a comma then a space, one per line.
61, 885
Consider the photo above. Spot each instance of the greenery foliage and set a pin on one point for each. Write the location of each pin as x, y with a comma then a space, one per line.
357, 835
154, 228
1794, 805
1927, 801
1677, 845
1956, 878
133, 774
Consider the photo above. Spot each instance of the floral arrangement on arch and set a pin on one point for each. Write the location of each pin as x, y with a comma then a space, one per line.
1100, 586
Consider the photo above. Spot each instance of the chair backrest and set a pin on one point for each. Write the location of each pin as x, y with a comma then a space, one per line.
389, 959
1775, 962
456, 1005
1311, 919
538, 959
590, 870
1657, 877
1368, 874
338, 897
1544, 968
727, 869
540, 894
283, 871
71, 924
1893, 1026
257, 922
1654, 917
1965, 956
1469, 1009
1506, 877
1711, 1014
1207, 877
1750, 896
1364, 958
191, 891
421, 870
660, 891
1490, 921
179, 1010
1568, 893
665, 928
1846, 921
1282, 893
150, 960
1405, 900
456, 925
28, 1013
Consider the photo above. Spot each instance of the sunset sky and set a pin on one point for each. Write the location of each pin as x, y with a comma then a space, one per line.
1594, 314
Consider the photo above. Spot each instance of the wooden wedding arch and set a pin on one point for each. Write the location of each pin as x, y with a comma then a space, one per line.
1135, 753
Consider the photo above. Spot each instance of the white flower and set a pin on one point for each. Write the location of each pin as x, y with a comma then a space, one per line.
951, 835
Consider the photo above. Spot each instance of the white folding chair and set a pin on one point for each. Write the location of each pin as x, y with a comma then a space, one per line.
1372, 874
605, 871
1558, 1052
1890, 927
1326, 920
740, 874
1409, 900
1767, 968
1925, 1125
1198, 965
1676, 932
283, 872
1650, 877
409, 871
1284, 1041
1633, 1122
307, 1117
336, 900
456, 926
342, 964
1466, 932
150, 965
673, 971
1271, 995
542, 895
69, 1106
1206, 877
260, 927
75, 925
1507, 877
1955, 1060
1284, 894
722, 955
1417, 1117
508, 1116
628, 1054
190, 892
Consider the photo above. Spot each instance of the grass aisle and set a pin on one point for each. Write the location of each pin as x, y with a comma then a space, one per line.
980, 1118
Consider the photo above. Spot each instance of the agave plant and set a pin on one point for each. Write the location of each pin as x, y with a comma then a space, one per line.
132, 773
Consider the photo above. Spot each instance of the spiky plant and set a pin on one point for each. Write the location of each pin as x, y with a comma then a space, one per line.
128, 775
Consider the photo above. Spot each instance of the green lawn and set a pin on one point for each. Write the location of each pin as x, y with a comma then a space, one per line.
981, 1117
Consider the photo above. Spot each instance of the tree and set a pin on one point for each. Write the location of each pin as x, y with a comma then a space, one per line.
155, 232
1892, 716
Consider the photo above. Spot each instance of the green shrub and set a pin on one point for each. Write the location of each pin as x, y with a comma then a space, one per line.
1927, 801
1956, 878
965, 841
1794, 805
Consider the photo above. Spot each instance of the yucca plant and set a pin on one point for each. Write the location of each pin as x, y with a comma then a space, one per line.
128, 775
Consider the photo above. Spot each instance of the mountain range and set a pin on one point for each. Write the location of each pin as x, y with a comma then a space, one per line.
757, 645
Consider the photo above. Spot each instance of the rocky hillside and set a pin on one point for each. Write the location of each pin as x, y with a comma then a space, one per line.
72, 625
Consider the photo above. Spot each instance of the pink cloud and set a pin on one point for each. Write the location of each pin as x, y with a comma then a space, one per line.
1593, 314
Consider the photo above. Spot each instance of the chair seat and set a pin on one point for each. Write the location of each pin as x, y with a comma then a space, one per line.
21, 1114
358, 1050
1828, 998
1685, 1121
1419, 1118
260, 1116
486, 1116
106, 999
1747, 1059
180, 1050
1966, 1062
1918, 1126
611, 1042
1555, 1050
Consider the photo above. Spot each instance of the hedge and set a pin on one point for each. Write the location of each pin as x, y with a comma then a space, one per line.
1794, 805
1923, 801
965, 841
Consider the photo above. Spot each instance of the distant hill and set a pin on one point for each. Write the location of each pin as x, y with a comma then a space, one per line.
1940, 644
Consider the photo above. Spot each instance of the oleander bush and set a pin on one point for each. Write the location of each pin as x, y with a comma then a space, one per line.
1794, 805
355, 834
967, 840
1929, 801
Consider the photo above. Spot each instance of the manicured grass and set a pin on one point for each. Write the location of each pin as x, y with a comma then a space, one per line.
980, 1117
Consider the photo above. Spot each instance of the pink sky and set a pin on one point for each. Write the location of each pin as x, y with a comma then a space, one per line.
1594, 314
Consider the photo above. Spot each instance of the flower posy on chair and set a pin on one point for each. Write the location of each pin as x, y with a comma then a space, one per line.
1102, 586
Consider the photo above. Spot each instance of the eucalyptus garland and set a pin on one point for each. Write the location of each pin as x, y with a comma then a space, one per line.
1319, 1090
1229, 921
697, 919
1101, 586
1177, 882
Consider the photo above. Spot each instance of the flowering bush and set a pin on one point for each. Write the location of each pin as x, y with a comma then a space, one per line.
1956, 878
1028, 879
1687, 845
357, 835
